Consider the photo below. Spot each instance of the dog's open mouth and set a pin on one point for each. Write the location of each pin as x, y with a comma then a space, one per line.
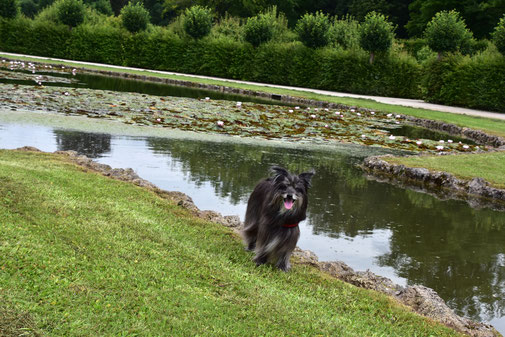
289, 202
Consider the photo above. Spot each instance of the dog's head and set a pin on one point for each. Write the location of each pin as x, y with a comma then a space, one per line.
290, 190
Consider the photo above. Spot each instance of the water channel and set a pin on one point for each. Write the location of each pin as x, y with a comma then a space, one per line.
410, 237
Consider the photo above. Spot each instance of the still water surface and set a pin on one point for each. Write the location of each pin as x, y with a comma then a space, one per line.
410, 237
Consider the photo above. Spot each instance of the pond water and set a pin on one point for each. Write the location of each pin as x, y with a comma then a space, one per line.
410, 237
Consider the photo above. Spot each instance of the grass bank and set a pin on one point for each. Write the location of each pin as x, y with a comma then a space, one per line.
81, 254
489, 166
491, 126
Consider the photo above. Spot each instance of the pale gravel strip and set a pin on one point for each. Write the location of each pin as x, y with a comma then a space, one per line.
413, 103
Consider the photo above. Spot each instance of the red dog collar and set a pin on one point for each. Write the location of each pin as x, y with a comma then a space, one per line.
290, 226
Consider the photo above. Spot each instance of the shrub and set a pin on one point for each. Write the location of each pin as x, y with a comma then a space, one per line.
446, 32
134, 17
103, 6
499, 36
258, 30
344, 32
70, 12
313, 30
376, 34
8, 9
197, 21
28, 8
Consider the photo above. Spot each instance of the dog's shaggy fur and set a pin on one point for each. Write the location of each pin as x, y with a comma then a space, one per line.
274, 209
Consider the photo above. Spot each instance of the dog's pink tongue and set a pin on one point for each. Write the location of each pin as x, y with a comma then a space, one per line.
288, 204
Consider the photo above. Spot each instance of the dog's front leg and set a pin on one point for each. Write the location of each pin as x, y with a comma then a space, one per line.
261, 257
283, 261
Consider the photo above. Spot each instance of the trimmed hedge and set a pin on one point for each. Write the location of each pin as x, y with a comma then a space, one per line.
476, 82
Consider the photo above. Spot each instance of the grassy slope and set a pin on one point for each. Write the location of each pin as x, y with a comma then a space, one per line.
495, 127
490, 166
82, 254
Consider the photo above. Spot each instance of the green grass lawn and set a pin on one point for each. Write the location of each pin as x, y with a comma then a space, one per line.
491, 126
490, 166
85, 255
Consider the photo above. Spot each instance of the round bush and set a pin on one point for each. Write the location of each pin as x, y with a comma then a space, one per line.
499, 36
70, 12
8, 9
313, 30
258, 30
103, 6
134, 17
197, 21
446, 32
28, 8
376, 34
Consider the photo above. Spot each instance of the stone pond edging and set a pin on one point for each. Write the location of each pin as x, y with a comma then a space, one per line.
477, 191
423, 300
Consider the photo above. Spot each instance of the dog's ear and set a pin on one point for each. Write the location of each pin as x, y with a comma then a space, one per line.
306, 177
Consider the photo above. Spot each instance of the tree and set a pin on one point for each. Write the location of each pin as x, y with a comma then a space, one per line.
258, 30
499, 36
313, 30
8, 9
197, 21
134, 17
376, 34
446, 32
70, 12
28, 8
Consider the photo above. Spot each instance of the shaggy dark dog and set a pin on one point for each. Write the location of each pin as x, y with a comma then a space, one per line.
274, 209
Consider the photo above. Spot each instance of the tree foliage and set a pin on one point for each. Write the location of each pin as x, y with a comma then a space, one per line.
70, 12
446, 32
197, 21
499, 36
8, 9
313, 30
134, 17
258, 30
376, 34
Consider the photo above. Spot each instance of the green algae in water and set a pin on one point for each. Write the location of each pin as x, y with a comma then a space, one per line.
223, 117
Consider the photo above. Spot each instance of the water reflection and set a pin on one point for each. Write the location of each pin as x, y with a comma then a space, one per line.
93, 145
398, 233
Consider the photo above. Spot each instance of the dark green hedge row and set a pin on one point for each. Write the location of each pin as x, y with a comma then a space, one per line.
455, 81
477, 83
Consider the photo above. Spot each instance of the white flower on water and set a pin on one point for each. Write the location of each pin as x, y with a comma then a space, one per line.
419, 142
372, 112
441, 141
326, 126
297, 107
312, 116
337, 113
66, 93
220, 123
363, 136
158, 119
466, 146
440, 147
326, 109
389, 115
392, 137
358, 114
316, 109
290, 110
239, 104
450, 141
207, 99
398, 116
